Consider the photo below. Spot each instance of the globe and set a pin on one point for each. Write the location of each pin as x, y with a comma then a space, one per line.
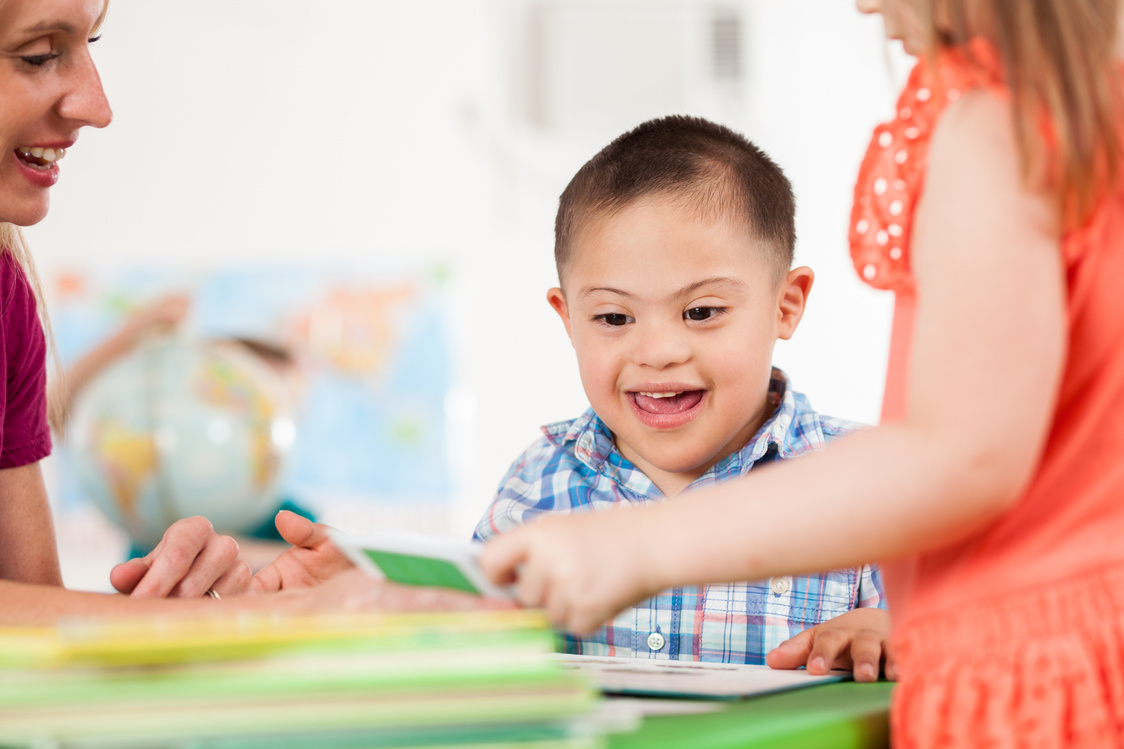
179, 428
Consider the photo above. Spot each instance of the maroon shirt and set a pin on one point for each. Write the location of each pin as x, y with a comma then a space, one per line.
25, 436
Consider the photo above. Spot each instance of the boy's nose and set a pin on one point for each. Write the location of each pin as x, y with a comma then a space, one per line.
660, 347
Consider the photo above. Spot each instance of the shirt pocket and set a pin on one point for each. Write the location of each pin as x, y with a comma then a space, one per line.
741, 622
812, 599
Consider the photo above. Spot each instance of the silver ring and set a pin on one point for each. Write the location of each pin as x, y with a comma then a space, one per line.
213, 594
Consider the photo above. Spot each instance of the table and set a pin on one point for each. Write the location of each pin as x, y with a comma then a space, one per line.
843, 715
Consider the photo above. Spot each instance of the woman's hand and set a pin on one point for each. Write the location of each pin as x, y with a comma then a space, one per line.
855, 641
311, 560
189, 560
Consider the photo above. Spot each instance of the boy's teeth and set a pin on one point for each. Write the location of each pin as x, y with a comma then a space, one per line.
660, 395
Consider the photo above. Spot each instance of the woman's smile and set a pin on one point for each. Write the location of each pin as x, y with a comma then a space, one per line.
39, 164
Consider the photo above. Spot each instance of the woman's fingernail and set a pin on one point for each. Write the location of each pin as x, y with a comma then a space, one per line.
817, 664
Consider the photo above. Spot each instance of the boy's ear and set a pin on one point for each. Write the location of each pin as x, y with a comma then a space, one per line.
557, 300
795, 288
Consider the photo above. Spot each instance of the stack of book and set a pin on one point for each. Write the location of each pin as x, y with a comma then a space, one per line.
479, 679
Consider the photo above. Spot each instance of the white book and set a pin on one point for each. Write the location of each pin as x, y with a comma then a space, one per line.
692, 679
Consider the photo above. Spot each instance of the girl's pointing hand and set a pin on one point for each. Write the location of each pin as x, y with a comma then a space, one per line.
583, 569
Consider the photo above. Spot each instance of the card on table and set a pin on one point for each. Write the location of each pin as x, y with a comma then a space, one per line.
415, 559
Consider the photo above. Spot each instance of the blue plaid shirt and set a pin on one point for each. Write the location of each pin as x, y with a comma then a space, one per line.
575, 467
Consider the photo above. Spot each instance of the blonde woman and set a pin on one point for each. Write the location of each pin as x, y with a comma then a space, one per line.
49, 92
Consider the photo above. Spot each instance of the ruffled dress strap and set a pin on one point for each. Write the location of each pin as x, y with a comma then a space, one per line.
893, 171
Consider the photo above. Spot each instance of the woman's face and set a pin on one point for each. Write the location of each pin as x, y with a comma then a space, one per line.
49, 90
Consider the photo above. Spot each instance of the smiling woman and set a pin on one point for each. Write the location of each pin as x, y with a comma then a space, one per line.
49, 91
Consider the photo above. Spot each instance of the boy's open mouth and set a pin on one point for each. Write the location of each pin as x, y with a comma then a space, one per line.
661, 404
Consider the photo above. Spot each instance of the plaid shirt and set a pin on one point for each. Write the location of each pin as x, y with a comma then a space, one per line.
575, 467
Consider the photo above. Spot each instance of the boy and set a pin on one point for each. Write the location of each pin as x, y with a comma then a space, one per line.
673, 247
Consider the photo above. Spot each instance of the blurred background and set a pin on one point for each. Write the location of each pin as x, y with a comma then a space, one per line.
370, 186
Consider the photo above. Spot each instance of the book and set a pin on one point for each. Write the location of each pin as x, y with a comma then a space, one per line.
411, 680
691, 679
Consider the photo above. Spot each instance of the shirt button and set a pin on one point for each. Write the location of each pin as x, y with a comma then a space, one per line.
656, 641
779, 585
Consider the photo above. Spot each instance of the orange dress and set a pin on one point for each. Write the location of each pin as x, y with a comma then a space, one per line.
1015, 635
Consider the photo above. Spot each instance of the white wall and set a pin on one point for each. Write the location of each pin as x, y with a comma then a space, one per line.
385, 132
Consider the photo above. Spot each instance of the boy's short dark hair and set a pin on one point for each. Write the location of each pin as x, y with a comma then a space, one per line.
708, 165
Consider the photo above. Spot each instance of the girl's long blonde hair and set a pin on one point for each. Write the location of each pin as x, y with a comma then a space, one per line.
1059, 57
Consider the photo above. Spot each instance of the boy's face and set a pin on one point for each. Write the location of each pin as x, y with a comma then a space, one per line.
673, 318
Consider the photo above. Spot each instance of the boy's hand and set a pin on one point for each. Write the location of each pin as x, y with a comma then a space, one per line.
310, 561
855, 641
189, 560
582, 569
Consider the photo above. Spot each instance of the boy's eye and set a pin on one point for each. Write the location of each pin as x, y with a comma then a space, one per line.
702, 313
615, 319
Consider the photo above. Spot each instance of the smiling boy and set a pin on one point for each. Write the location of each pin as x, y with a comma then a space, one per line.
673, 247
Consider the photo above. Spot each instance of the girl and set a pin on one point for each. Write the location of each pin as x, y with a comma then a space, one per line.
992, 206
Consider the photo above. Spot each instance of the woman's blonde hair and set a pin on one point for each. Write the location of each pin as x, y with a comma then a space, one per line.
1059, 59
13, 243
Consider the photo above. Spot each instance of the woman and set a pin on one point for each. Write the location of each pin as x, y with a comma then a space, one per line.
49, 91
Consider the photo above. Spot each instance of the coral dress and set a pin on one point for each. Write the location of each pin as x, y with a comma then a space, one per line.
1015, 635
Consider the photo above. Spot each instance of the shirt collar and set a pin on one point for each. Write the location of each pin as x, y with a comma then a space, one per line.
791, 430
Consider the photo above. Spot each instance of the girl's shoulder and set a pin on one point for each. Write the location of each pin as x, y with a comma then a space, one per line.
893, 170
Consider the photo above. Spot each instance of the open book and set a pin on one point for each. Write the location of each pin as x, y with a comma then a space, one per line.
691, 679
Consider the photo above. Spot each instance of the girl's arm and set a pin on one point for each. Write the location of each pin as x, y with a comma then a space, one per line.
988, 351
